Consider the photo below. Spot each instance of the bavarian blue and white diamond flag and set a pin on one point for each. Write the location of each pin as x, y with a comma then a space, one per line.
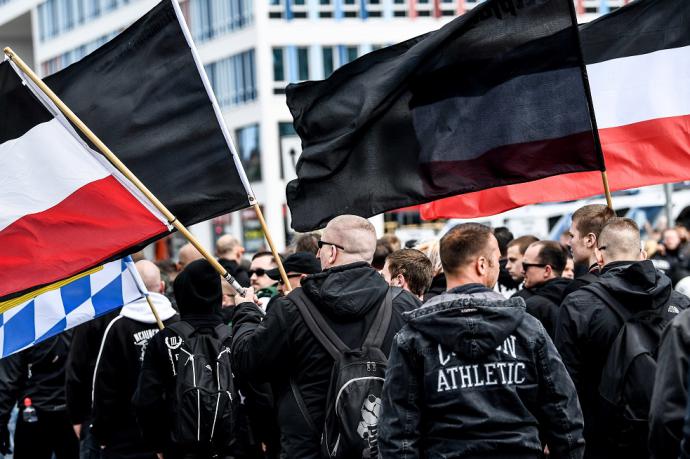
30, 319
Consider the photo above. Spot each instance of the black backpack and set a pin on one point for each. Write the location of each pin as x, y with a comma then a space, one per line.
205, 394
627, 379
353, 402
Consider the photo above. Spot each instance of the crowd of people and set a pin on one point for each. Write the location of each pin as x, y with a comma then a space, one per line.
475, 345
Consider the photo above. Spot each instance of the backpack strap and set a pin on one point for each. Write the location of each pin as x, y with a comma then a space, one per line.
615, 305
317, 324
379, 327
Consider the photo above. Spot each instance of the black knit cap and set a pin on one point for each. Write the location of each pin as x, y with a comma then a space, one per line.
197, 289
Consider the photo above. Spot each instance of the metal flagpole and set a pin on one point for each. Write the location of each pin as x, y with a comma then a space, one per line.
115, 161
228, 140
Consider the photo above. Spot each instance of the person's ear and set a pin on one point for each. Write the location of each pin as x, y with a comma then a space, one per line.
548, 271
591, 240
482, 265
161, 288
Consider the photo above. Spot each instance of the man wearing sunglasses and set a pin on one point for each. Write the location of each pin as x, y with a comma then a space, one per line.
542, 268
282, 350
297, 266
264, 287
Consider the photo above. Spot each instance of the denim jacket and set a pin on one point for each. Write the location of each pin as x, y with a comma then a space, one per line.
473, 375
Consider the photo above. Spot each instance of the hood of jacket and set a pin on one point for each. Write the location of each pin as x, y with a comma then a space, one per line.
472, 325
552, 289
140, 310
347, 292
637, 284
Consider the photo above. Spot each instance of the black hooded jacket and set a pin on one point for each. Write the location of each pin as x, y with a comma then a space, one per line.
473, 375
37, 373
545, 302
587, 327
670, 397
281, 347
198, 294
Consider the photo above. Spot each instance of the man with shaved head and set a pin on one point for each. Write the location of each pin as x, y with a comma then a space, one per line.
229, 252
282, 350
118, 365
188, 253
591, 318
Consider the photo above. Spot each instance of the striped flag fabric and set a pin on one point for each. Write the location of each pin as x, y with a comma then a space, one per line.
638, 62
495, 97
32, 318
63, 207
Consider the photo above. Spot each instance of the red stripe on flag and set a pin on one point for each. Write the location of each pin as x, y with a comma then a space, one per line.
91, 225
640, 154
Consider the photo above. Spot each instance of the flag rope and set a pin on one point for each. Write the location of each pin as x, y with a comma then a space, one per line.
119, 165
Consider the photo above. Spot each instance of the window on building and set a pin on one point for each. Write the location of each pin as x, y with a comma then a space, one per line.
248, 148
328, 67
234, 79
212, 18
351, 53
286, 129
278, 64
303, 63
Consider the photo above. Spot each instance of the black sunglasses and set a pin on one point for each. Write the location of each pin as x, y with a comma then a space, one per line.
322, 243
526, 266
258, 271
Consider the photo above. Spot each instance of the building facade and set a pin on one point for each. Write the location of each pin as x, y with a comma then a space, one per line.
251, 51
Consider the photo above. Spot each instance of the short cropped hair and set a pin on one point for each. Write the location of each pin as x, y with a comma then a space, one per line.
414, 266
552, 253
264, 254
592, 218
523, 242
308, 242
462, 244
620, 239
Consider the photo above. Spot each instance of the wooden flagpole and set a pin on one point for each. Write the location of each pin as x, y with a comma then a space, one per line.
115, 161
155, 313
607, 190
269, 239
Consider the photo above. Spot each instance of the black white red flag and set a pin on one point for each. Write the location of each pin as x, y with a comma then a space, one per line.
638, 61
63, 207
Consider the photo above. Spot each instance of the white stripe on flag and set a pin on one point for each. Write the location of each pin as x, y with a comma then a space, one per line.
43, 167
640, 88
85, 149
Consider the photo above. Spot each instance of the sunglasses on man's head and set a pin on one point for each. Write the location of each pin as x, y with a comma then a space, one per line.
258, 271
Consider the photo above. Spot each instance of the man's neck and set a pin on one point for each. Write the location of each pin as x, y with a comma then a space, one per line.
460, 280
592, 260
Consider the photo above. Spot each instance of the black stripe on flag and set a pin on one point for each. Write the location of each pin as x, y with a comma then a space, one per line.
15, 123
495, 97
641, 27
143, 96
